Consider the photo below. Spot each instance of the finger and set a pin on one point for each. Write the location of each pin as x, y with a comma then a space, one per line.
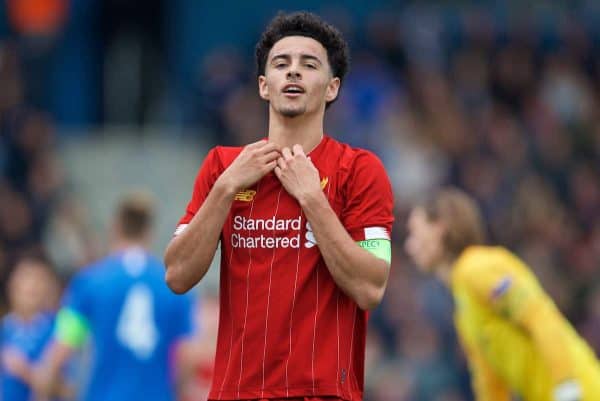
277, 171
271, 165
287, 153
298, 151
256, 144
269, 157
281, 163
268, 147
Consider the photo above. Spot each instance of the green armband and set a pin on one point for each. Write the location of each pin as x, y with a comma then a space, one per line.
382, 248
71, 329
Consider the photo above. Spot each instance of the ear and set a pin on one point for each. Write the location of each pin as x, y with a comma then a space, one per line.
332, 89
263, 88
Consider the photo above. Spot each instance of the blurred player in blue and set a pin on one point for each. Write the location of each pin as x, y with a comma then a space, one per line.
28, 327
138, 327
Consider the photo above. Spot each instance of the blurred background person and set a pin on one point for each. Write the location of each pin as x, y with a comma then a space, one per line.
200, 352
138, 327
516, 341
33, 293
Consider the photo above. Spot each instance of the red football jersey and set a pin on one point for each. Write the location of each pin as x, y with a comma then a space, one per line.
285, 328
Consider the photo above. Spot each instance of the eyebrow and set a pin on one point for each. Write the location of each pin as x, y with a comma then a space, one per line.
303, 57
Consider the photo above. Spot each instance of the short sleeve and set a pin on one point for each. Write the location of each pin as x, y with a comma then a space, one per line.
76, 298
368, 212
207, 175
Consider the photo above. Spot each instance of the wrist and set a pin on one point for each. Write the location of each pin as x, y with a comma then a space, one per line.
310, 200
226, 187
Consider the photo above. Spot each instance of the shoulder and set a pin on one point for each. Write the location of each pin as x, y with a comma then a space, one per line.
357, 166
225, 155
351, 157
8, 322
488, 271
217, 159
479, 261
94, 270
365, 172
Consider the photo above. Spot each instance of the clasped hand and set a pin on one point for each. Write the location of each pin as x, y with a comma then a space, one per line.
293, 168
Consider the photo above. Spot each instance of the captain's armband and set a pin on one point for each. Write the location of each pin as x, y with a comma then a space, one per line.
382, 248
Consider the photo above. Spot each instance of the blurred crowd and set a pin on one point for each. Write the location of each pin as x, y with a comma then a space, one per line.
32, 185
505, 109
503, 105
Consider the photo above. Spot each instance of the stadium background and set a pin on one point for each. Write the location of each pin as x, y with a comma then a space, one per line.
99, 97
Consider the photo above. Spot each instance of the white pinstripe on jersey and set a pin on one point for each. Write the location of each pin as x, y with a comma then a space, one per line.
262, 388
350, 354
247, 297
231, 336
287, 362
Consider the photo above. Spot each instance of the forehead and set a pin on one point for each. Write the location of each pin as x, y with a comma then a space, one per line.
27, 269
296, 45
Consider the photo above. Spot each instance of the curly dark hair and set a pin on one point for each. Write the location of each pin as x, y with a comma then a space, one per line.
309, 25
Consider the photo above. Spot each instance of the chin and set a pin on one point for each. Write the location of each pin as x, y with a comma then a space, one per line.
425, 267
292, 111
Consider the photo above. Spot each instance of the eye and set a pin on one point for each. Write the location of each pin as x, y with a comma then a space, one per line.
280, 65
312, 66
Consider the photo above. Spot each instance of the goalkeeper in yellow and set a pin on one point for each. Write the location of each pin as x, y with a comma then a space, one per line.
516, 340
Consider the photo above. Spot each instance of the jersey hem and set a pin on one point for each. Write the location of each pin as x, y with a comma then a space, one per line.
251, 394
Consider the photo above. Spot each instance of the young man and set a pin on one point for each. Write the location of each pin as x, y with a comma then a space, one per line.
304, 223
515, 338
27, 329
135, 321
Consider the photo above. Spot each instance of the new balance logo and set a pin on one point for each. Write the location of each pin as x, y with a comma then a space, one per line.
246, 195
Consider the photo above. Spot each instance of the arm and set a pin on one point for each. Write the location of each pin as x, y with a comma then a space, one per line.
70, 334
512, 291
189, 254
358, 272
486, 385
185, 363
551, 335
46, 378
15, 363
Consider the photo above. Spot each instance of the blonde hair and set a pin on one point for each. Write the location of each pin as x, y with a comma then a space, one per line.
461, 217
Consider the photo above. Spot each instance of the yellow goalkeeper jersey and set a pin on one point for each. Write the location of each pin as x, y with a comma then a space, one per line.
515, 338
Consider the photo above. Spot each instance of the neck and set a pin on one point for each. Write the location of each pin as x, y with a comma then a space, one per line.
121, 244
305, 130
443, 271
25, 314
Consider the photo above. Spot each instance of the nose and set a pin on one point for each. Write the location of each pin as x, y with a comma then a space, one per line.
293, 72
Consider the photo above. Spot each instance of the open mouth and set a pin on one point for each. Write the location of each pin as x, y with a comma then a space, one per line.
293, 89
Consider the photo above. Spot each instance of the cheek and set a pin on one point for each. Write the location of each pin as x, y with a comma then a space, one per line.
421, 249
324, 87
434, 249
415, 247
270, 80
315, 83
